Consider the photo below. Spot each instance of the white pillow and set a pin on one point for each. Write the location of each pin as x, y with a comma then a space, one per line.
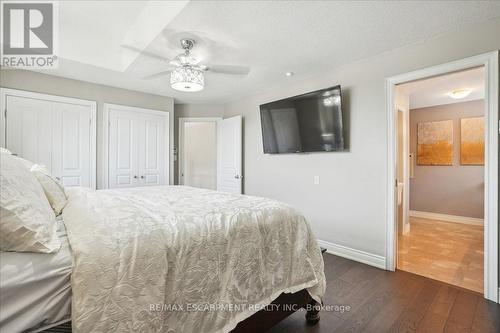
54, 191
27, 221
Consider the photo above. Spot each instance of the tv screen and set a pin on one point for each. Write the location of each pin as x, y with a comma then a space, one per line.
310, 122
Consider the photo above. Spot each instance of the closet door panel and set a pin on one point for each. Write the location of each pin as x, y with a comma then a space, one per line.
136, 144
71, 144
29, 129
58, 132
152, 150
123, 149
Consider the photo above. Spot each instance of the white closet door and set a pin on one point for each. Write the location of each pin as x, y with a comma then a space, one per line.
71, 139
58, 132
29, 129
152, 149
230, 171
123, 162
136, 141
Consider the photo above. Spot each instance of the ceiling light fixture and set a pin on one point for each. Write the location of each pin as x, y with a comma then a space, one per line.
459, 93
188, 74
187, 78
289, 73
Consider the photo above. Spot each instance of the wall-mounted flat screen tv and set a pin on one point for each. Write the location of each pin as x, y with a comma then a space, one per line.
310, 122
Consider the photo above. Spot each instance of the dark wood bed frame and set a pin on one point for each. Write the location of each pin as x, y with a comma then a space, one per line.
279, 309
284, 305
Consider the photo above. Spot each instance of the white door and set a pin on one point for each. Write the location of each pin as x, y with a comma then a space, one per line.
137, 146
71, 137
29, 129
57, 132
123, 159
230, 145
152, 138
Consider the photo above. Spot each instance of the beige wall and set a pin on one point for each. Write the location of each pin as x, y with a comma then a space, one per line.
349, 206
47, 84
456, 189
192, 110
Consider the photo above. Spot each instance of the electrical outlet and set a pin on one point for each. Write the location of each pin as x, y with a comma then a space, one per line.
316, 180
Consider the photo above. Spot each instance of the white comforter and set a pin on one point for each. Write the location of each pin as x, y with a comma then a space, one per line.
35, 288
180, 259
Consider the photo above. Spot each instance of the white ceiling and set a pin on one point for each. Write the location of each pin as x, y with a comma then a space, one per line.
271, 37
434, 91
87, 35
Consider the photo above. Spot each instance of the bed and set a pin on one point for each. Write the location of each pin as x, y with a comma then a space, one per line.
180, 259
35, 288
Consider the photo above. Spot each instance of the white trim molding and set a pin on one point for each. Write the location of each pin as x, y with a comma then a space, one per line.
491, 67
447, 217
353, 254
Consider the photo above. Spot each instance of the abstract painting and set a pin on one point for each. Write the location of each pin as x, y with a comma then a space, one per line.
472, 141
435, 143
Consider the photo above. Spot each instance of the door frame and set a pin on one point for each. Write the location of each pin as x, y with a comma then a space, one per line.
105, 137
5, 92
180, 150
490, 61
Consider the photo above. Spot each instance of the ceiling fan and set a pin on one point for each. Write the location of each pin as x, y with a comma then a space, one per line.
186, 72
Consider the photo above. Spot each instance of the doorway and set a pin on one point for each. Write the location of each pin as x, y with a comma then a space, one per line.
198, 152
210, 153
428, 147
442, 237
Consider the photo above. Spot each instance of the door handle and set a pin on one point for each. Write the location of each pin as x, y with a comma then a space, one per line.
142, 177
135, 177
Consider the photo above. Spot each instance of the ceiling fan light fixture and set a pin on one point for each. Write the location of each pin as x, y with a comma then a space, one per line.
187, 78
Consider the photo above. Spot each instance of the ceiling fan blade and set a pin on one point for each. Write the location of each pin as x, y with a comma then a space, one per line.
144, 52
229, 69
175, 62
157, 75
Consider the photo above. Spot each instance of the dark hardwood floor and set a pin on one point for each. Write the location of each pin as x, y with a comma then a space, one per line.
382, 301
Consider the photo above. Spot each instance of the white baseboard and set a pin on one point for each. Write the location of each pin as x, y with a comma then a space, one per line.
446, 217
353, 254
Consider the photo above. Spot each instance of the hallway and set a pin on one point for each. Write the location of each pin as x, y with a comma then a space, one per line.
445, 251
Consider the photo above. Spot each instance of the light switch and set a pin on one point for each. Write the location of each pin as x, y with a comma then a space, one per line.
316, 180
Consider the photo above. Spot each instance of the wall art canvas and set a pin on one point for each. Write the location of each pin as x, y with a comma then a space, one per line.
435, 143
472, 141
